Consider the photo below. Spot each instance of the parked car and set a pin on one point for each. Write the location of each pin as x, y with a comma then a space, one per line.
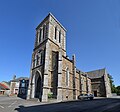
86, 96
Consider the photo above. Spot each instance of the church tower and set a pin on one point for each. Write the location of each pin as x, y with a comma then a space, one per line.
46, 67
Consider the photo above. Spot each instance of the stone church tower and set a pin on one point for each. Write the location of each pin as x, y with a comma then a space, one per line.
50, 46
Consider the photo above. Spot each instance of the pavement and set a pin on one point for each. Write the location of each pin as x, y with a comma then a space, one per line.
15, 104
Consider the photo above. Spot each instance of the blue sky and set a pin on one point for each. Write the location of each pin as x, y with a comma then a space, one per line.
93, 33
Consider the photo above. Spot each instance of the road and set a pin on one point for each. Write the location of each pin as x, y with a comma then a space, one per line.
14, 104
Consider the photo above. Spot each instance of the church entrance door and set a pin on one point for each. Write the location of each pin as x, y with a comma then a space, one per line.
38, 86
95, 93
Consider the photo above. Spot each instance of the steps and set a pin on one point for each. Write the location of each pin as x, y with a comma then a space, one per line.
33, 99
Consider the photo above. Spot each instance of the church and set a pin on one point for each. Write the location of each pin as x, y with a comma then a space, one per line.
53, 73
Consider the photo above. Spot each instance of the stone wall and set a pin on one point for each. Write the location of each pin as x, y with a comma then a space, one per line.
67, 90
53, 23
98, 85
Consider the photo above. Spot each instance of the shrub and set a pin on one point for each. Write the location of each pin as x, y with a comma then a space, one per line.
50, 95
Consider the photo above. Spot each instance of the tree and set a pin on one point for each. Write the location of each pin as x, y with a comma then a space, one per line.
118, 90
113, 88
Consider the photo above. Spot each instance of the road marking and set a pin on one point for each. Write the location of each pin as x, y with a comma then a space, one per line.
1, 106
12, 103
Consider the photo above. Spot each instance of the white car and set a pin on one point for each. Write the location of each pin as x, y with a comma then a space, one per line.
86, 96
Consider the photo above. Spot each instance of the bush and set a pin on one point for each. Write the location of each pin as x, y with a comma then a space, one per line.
50, 95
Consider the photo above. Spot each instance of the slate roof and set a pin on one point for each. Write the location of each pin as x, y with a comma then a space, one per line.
7, 84
20, 78
4, 87
96, 73
83, 73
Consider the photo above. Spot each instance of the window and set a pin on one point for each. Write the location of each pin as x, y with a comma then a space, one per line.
16, 91
44, 32
23, 84
59, 36
67, 77
22, 91
23, 80
37, 35
41, 58
55, 32
40, 36
35, 61
38, 58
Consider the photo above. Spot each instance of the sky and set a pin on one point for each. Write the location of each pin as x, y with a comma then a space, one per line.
93, 34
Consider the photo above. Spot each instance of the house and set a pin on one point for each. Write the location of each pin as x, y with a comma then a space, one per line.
4, 89
19, 86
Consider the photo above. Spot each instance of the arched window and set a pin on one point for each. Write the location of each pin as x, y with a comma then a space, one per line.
46, 31
35, 61
41, 58
59, 36
44, 28
38, 59
55, 33
67, 77
37, 38
40, 36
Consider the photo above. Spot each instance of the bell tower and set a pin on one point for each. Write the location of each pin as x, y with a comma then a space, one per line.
50, 46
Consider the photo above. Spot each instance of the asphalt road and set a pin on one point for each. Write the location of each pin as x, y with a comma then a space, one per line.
14, 104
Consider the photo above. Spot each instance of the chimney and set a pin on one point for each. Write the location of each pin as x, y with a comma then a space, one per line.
14, 77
